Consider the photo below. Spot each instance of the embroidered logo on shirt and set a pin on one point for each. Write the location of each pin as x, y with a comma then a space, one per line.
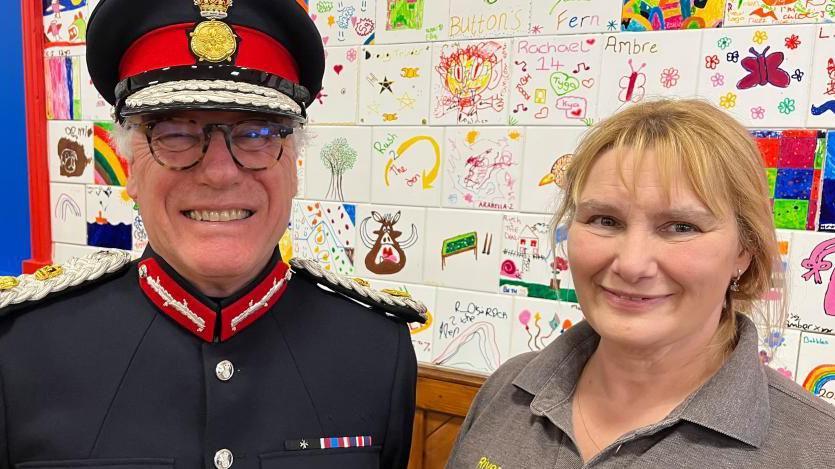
485, 463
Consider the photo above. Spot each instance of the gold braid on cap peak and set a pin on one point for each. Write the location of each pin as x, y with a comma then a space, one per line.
214, 9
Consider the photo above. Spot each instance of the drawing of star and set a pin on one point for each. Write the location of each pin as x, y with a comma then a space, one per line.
374, 108
331, 21
303, 444
385, 85
536, 29
612, 26
407, 101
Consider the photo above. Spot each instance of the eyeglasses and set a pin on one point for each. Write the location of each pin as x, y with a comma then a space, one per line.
180, 144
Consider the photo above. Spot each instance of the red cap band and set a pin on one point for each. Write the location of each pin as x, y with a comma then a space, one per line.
169, 47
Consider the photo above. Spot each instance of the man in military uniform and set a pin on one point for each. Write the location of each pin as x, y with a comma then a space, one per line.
209, 351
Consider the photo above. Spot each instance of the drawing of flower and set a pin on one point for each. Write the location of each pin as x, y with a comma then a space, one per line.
732, 56
728, 101
757, 112
775, 340
786, 106
711, 61
724, 42
793, 41
798, 74
760, 37
669, 77
351, 55
764, 358
717, 79
560, 264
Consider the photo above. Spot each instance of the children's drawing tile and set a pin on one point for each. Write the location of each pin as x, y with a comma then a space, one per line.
764, 13
812, 299
406, 165
821, 111
639, 66
337, 163
325, 232
422, 334
779, 348
474, 19
336, 103
63, 252
93, 105
826, 220
401, 21
759, 75
138, 232
793, 159
110, 215
344, 22
568, 17
472, 330
70, 151
816, 365
65, 23
470, 82
548, 151
63, 78
394, 84
536, 323
649, 15
483, 168
463, 249
68, 213
528, 265
555, 80
111, 168
390, 242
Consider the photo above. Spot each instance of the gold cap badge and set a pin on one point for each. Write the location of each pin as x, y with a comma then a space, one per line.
213, 40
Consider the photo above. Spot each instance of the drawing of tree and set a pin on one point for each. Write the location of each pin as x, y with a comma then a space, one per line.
338, 156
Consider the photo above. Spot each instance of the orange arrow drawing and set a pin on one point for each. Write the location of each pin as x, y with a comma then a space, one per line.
427, 177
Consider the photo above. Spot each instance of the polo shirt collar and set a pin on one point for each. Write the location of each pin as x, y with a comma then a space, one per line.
733, 402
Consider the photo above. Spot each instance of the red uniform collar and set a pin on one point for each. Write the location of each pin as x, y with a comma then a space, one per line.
199, 315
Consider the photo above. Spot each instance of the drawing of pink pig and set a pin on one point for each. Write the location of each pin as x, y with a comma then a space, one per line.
816, 263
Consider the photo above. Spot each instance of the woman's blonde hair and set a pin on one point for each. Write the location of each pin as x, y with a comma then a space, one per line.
723, 165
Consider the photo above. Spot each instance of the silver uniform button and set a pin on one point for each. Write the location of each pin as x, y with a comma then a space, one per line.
223, 459
224, 370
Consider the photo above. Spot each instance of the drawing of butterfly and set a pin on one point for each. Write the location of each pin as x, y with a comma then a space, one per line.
632, 85
763, 70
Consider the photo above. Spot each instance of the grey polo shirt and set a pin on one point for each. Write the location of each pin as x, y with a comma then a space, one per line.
745, 416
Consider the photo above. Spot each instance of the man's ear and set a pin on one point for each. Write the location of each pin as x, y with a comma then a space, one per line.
132, 185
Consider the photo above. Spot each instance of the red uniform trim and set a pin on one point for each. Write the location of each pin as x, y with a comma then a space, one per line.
229, 313
170, 47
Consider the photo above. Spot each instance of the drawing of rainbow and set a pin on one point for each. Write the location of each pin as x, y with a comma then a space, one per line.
818, 377
111, 169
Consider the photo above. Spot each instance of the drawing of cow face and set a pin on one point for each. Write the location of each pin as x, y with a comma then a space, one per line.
387, 255
72, 157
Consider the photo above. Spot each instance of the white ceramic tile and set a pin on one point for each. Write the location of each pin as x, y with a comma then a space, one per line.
816, 365
93, 106
68, 213
536, 323
527, 267
463, 249
638, 66
470, 82
394, 84
344, 22
337, 102
548, 150
483, 168
779, 349
570, 17
821, 111
555, 80
407, 165
761, 76
400, 21
472, 330
70, 151
110, 214
811, 298
473, 19
326, 232
65, 23
337, 163
757, 12
390, 242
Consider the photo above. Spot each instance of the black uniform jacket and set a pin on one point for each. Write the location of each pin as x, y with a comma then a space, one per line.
98, 377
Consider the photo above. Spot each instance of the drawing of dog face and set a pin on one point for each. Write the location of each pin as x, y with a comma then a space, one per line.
73, 158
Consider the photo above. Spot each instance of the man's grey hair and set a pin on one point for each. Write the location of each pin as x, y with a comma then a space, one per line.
122, 134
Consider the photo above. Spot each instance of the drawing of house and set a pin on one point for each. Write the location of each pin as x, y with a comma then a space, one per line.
528, 242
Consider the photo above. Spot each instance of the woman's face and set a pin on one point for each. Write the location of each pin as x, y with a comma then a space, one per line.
650, 271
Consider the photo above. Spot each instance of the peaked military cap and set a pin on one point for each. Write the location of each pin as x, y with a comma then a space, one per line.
232, 55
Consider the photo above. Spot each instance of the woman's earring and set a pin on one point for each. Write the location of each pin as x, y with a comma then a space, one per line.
735, 281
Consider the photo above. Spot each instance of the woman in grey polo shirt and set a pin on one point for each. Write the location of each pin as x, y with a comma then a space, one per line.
671, 243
